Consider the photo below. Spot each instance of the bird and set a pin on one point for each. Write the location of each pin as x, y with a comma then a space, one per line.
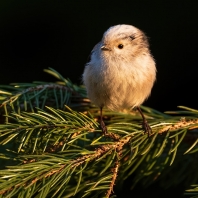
121, 72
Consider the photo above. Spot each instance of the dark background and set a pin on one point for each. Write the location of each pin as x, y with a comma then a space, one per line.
60, 34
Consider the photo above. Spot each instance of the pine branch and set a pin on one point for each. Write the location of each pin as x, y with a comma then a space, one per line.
59, 152
18, 97
71, 136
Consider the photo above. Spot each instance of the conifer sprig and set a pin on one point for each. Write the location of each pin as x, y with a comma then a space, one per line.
55, 151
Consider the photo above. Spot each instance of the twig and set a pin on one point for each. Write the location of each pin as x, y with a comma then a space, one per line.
36, 88
181, 124
115, 173
102, 150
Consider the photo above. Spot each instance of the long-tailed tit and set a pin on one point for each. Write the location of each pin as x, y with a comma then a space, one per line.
121, 71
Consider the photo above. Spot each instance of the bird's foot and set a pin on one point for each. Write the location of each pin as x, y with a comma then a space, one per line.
103, 127
147, 128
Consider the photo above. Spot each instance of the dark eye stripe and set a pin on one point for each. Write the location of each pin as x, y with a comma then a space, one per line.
132, 37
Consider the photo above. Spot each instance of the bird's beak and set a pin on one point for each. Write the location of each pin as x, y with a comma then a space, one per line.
105, 48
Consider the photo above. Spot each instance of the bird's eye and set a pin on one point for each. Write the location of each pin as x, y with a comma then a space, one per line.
120, 46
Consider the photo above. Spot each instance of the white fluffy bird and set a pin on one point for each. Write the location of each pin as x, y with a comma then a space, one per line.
121, 71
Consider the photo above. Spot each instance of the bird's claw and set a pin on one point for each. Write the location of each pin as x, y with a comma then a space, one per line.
147, 128
103, 127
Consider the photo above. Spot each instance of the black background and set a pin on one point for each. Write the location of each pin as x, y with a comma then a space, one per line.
60, 34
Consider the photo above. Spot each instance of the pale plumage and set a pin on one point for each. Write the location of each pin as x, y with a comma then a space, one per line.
121, 71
